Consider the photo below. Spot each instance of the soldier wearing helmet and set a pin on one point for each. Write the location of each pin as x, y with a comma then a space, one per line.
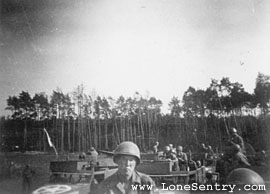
127, 156
27, 175
234, 159
241, 177
237, 139
203, 153
92, 156
170, 155
169, 152
155, 147
240, 157
182, 158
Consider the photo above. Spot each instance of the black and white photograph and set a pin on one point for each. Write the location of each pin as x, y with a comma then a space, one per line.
134, 96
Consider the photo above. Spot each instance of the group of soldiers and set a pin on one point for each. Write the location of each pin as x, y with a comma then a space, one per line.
127, 180
26, 172
184, 161
233, 157
127, 156
177, 156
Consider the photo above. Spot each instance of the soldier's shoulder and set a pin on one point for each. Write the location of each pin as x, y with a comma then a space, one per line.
106, 184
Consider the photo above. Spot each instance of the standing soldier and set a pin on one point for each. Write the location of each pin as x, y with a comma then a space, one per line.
92, 156
182, 158
11, 169
238, 158
232, 159
126, 179
27, 175
170, 155
192, 165
203, 151
155, 147
237, 140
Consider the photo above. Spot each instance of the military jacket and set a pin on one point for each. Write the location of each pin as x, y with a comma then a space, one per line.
113, 185
182, 157
169, 155
27, 173
238, 140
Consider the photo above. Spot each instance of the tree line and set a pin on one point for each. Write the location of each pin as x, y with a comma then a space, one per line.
76, 121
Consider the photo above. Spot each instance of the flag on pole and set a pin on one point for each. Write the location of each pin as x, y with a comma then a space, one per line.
50, 142
48, 138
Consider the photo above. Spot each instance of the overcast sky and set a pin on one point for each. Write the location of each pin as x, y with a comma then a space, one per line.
155, 47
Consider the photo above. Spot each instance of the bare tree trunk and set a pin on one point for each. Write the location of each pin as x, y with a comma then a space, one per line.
142, 132
82, 135
135, 132
25, 134
149, 129
62, 135
117, 133
73, 136
43, 140
79, 135
89, 137
99, 133
56, 137
157, 127
106, 134
69, 146
95, 134
131, 130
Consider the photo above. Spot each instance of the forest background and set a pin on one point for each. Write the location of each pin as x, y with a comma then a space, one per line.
76, 121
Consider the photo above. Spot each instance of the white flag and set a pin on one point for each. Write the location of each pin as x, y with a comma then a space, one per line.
48, 137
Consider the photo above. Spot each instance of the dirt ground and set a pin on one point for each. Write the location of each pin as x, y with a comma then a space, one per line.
39, 162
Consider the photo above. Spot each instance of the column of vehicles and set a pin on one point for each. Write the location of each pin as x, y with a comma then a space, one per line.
78, 176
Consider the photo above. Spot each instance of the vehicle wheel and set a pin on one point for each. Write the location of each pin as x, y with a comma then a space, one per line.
51, 189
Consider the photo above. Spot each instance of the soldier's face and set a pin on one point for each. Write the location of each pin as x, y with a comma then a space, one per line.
126, 165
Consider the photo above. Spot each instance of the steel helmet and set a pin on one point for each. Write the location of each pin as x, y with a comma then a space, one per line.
127, 148
92, 149
236, 148
245, 176
167, 148
179, 148
234, 130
